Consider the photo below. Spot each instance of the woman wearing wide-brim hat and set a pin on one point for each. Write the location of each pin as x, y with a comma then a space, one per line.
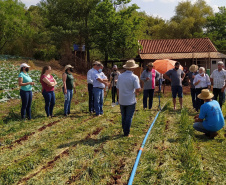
193, 71
68, 88
210, 119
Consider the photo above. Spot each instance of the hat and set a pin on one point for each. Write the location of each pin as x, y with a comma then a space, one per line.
130, 64
220, 63
115, 66
68, 66
24, 65
150, 64
96, 63
193, 68
205, 94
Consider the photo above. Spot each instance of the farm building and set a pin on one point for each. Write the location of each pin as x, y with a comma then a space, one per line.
199, 51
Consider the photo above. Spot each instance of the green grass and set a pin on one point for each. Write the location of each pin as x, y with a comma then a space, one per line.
82, 149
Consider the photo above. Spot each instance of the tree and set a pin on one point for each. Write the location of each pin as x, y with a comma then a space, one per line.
190, 18
114, 31
216, 28
13, 21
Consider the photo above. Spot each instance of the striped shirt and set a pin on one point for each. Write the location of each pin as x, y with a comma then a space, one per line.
219, 78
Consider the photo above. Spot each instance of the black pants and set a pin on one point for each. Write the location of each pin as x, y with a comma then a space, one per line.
113, 92
193, 96
199, 102
216, 93
91, 98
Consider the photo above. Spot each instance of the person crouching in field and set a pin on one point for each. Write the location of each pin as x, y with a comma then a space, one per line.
128, 84
149, 77
68, 86
25, 82
210, 119
48, 84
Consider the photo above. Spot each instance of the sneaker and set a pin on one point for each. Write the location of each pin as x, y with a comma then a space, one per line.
116, 103
113, 104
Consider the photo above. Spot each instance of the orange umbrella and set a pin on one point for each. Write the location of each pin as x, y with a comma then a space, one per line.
165, 65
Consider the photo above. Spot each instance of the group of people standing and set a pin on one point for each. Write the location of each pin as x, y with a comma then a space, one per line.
48, 83
199, 80
125, 86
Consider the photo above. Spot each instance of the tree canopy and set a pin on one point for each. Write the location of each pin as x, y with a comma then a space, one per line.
109, 29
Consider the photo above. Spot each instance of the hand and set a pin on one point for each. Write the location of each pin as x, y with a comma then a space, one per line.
147, 78
32, 83
74, 90
222, 90
196, 116
193, 76
65, 91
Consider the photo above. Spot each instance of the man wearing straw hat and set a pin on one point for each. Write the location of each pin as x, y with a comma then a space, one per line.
128, 85
210, 119
100, 81
191, 75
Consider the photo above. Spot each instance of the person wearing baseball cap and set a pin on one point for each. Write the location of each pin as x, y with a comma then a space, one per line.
114, 78
25, 83
210, 119
68, 88
90, 86
149, 77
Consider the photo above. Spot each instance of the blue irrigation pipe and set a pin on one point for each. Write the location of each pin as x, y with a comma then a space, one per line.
141, 150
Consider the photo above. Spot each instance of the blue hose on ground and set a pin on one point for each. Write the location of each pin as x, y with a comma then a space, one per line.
141, 149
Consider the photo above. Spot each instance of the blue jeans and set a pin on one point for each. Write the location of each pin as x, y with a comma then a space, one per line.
98, 100
127, 112
193, 96
26, 97
91, 98
148, 93
49, 102
67, 102
199, 127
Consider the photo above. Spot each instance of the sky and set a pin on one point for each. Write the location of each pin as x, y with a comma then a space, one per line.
161, 8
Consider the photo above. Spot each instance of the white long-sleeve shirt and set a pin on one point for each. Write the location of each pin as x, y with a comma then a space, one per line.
204, 81
89, 76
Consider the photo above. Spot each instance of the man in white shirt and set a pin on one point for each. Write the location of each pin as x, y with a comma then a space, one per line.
128, 84
90, 86
99, 83
218, 78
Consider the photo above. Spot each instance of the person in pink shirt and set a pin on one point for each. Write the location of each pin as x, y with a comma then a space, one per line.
149, 77
48, 84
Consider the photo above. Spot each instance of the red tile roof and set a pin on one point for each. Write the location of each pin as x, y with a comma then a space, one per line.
176, 56
177, 46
